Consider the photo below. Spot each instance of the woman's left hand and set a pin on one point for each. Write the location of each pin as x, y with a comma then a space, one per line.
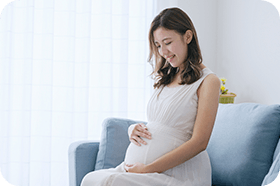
136, 168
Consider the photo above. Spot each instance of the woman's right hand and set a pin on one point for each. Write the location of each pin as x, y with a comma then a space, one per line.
138, 131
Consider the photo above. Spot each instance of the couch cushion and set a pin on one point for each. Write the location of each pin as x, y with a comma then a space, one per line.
242, 144
114, 142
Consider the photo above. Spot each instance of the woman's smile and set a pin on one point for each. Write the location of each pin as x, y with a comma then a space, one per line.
170, 58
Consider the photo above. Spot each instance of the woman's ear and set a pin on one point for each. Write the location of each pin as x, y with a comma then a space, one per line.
188, 36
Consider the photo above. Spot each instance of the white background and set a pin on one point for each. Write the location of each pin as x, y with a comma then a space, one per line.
240, 41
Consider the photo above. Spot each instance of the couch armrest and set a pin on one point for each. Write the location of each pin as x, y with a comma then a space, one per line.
82, 157
277, 150
273, 171
275, 167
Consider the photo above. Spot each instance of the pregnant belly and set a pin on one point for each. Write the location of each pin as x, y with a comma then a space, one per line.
160, 144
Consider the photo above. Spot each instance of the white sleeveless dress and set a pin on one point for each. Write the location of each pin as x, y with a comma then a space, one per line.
171, 116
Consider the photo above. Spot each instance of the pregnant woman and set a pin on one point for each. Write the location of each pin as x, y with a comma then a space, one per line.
170, 149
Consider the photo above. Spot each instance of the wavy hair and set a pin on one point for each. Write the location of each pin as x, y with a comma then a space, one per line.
177, 20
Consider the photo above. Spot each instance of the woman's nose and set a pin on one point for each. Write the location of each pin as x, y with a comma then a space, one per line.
163, 51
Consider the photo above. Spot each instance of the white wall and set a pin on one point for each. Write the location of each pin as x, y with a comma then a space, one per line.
162, 4
248, 49
240, 40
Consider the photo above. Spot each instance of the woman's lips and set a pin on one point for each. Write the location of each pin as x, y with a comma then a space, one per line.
170, 58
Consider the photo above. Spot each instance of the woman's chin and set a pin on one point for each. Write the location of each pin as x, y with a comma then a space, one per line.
173, 65
176, 65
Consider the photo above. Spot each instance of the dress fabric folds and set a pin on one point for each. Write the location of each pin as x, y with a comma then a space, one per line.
171, 114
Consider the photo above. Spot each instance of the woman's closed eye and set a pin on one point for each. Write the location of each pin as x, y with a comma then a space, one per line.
158, 46
168, 43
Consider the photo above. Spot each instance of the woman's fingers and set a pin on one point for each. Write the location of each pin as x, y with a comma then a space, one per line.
126, 167
143, 125
140, 131
142, 134
137, 140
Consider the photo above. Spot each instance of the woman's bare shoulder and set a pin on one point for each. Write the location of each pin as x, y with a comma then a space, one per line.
210, 83
212, 79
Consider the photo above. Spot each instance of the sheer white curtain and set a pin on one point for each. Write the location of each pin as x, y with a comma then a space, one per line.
65, 66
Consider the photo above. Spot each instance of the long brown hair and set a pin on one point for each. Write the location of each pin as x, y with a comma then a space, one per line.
177, 20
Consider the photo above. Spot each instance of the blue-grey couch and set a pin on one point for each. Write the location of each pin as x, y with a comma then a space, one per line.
244, 147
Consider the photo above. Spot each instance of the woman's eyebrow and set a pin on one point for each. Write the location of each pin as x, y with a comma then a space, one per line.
166, 38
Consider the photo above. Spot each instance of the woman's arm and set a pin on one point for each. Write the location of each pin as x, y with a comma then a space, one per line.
208, 101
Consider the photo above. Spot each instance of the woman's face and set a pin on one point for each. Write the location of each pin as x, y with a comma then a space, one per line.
172, 46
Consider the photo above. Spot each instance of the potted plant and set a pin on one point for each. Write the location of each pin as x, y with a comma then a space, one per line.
225, 96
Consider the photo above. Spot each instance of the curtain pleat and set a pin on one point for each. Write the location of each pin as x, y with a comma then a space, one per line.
65, 66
